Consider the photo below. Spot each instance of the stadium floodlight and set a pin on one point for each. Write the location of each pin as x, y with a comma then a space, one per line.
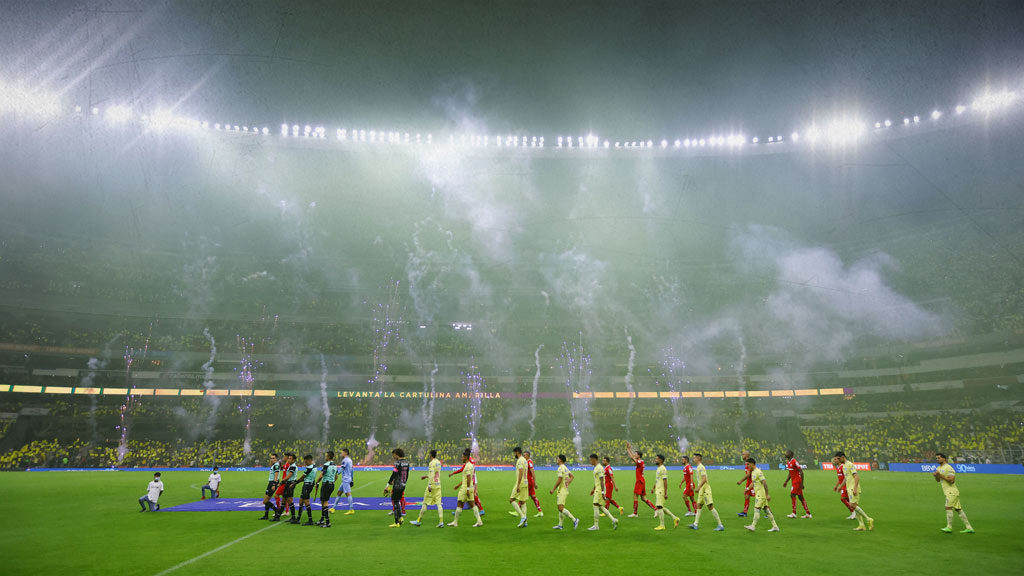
917, 119
676, 143
266, 130
795, 136
95, 111
906, 121
605, 144
887, 123
990, 101
845, 130
118, 113
664, 143
755, 139
960, 109
936, 114
686, 142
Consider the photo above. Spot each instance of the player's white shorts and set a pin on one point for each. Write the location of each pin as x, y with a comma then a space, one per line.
432, 495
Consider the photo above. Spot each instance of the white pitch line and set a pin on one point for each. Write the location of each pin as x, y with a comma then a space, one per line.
215, 550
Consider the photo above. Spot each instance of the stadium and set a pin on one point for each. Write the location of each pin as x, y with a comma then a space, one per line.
745, 281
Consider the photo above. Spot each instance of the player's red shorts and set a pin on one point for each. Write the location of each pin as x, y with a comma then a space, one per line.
533, 488
640, 489
748, 492
797, 489
608, 493
280, 490
688, 491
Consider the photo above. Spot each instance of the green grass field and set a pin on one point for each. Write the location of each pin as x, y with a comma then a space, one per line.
89, 523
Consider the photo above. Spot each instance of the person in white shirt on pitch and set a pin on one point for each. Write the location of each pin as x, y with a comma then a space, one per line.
212, 484
152, 495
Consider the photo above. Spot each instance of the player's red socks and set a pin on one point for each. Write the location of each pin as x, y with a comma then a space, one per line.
746, 504
536, 503
635, 504
793, 501
687, 502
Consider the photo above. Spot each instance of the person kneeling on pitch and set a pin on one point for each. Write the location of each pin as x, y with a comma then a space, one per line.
761, 497
152, 495
212, 484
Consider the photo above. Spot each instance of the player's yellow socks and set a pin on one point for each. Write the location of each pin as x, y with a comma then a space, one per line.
519, 509
718, 518
963, 517
768, 513
440, 513
476, 512
696, 518
569, 514
661, 517
757, 516
949, 519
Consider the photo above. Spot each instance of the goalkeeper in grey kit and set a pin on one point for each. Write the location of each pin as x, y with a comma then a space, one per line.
396, 484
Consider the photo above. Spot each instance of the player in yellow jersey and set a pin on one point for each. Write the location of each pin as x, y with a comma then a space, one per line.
521, 489
850, 493
761, 498
598, 493
661, 493
432, 494
467, 489
565, 478
946, 477
704, 495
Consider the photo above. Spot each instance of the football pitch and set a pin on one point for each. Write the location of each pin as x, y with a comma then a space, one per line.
89, 523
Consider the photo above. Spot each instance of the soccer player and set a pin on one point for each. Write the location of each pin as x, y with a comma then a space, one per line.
565, 477
840, 480
850, 493
639, 484
796, 480
396, 485
598, 493
520, 490
531, 482
704, 495
691, 504
432, 494
946, 477
153, 491
328, 474
609, 484
346, 482
308, 480
467, 489
212, 484
761, 497
661, 493
474, 493
272, 482
747, 491
286, 490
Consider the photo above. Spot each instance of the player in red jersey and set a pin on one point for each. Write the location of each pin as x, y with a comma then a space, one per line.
796, 481
531, 483
748, 489
841, 481
639, 485
691, 504
609, 485
476, 497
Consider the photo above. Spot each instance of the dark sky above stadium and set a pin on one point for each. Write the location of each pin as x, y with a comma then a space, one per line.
629, 68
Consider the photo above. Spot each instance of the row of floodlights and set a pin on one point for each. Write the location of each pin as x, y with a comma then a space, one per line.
838, 132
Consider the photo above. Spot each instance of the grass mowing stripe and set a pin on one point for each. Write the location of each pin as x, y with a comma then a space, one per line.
215, 550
